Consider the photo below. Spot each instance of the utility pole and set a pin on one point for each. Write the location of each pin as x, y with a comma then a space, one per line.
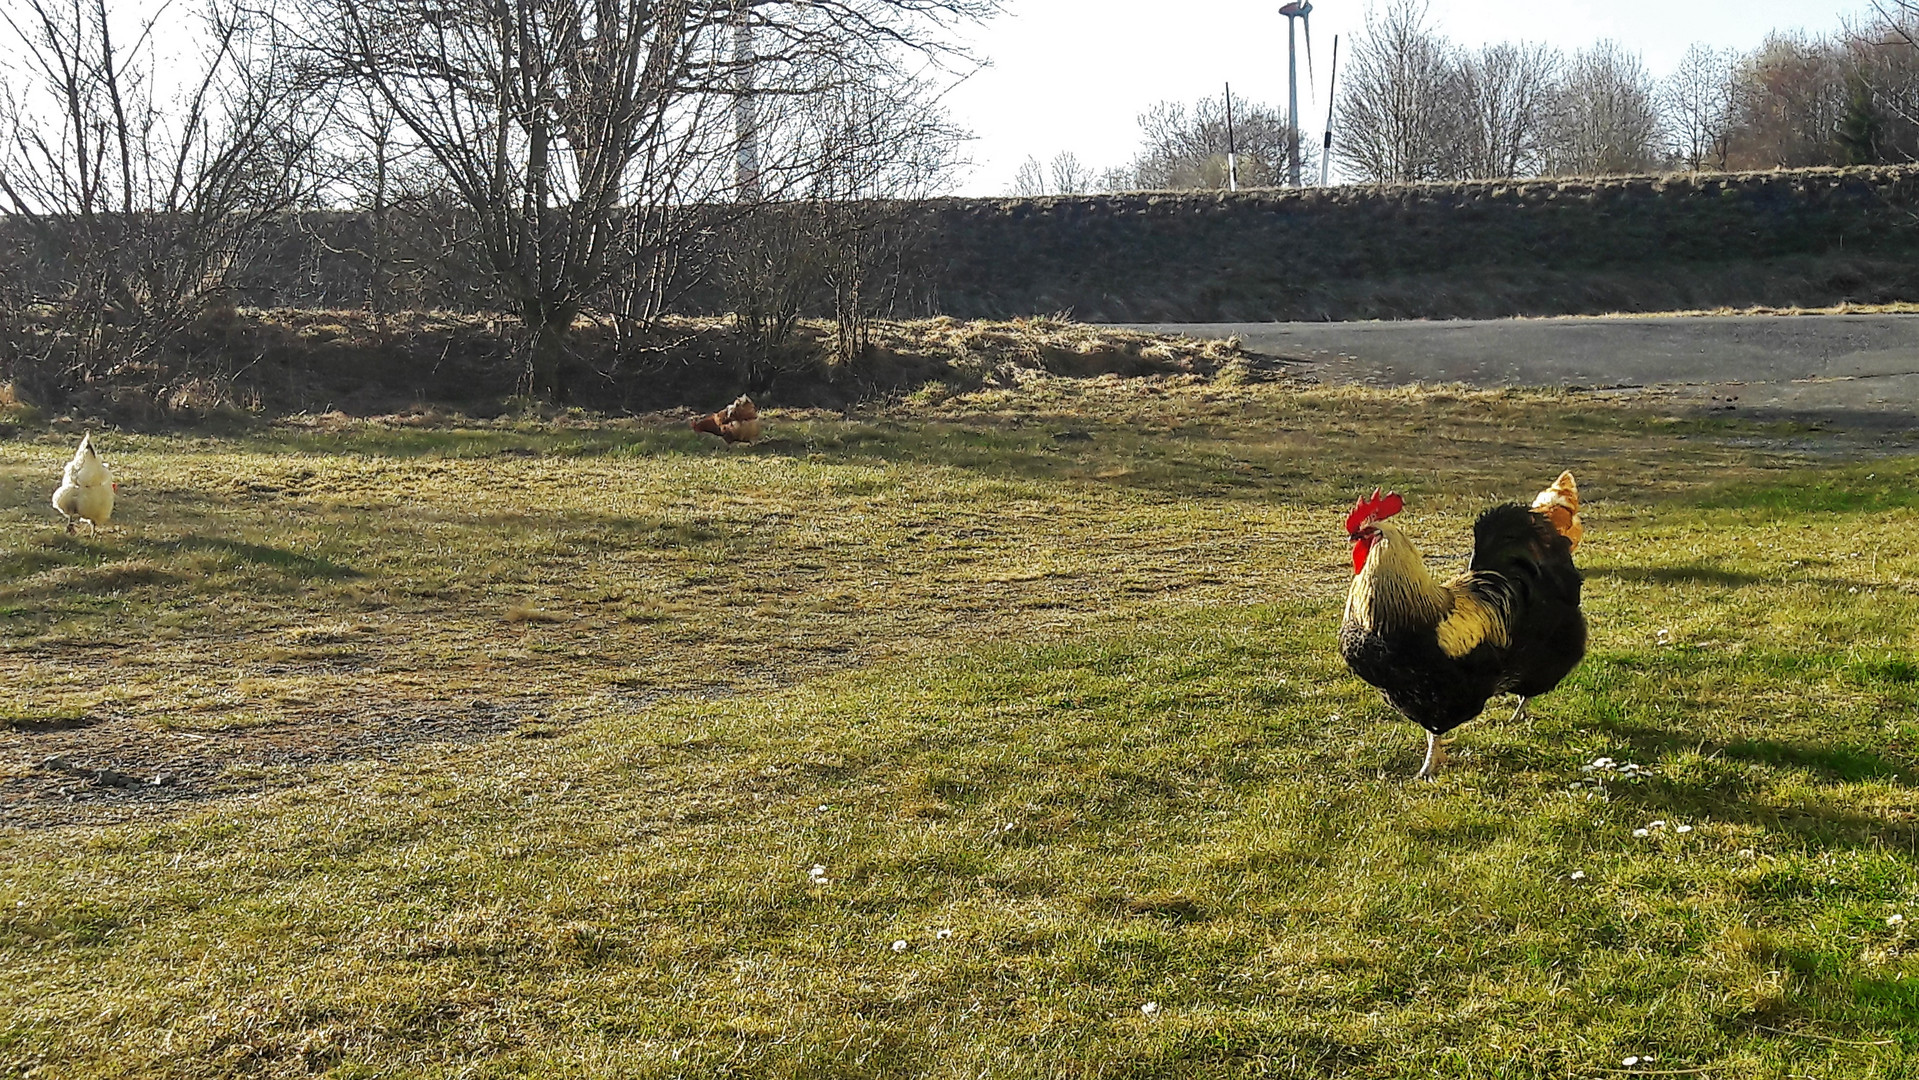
1232, 148
1332, 85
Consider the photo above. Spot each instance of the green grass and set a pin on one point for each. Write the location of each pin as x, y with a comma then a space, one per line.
1061, 714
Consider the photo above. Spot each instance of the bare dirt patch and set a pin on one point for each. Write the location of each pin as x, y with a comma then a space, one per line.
114, 767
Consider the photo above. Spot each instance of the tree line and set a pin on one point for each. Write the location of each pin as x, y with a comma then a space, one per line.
1182, 148
1414, 105
562, 156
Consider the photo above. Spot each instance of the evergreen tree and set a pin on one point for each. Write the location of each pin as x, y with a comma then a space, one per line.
1861, 127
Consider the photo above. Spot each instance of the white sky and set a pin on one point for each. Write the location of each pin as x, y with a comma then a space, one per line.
1075, 74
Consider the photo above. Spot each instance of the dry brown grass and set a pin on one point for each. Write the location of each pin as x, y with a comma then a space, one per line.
1899, 308
429, 365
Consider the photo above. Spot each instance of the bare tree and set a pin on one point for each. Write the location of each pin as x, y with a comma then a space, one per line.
1062, 174
1395, 120
1792, 94
1700, 100
1069, 175
1901, 18
839, 238
1116, 178
900, 146
1507, 92
579, 133
1029, 180
546, 118
1606, 121
145, 184
1884, 80
388, 234
1185, 149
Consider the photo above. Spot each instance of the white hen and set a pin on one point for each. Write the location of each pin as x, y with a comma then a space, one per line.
86, 491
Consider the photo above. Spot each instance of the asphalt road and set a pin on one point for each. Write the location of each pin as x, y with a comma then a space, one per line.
1865, 366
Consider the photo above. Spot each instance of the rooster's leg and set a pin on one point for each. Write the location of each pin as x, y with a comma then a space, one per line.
1435, 757
70, 527
1521, 713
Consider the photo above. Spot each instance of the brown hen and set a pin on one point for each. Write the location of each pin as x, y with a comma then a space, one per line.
737, 423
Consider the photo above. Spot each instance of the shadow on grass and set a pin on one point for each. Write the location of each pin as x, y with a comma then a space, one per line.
1872, 487
289, 562
26, 562
1834, 763
1208, 462
1211, 460
33, 723
1714, 576
1897, 995
1731, 798
1678, 575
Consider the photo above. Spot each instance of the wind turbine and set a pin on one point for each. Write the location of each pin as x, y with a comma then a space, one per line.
1301, 10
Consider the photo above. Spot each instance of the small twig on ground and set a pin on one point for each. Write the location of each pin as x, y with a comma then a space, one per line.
1830, 1038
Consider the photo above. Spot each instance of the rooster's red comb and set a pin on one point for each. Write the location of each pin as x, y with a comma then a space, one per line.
1375, 509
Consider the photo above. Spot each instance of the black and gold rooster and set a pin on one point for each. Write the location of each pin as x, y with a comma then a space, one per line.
1509, 624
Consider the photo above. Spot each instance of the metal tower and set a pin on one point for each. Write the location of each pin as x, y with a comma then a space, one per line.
1301, 10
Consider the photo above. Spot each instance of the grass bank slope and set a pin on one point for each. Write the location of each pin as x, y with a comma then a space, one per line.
996, 734
1473, 250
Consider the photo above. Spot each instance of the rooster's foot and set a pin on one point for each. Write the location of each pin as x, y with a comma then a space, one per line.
1521, 713
1435, 757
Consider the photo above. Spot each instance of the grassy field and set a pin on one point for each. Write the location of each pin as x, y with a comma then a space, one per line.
995, 734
